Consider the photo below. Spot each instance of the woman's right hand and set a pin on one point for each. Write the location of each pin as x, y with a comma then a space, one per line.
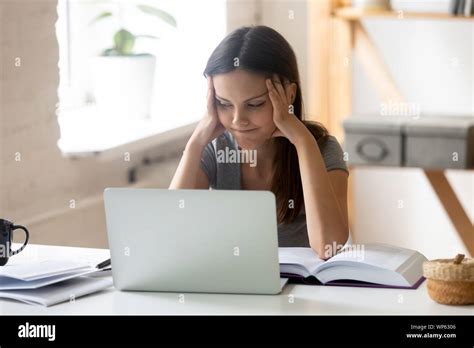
209, 127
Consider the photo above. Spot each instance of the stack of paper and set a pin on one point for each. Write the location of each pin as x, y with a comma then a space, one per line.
50, 282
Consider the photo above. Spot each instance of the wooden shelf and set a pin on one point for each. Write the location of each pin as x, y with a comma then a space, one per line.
350, 13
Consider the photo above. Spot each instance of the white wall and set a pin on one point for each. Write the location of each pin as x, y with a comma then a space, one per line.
431, 62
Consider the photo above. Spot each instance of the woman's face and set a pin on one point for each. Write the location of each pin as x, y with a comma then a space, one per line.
244, 107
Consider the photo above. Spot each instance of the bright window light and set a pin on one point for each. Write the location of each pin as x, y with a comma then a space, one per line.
92, 120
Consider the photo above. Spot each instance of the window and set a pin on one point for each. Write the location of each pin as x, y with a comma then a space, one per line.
94, 119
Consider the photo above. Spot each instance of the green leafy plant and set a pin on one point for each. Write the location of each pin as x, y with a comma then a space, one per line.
124, 40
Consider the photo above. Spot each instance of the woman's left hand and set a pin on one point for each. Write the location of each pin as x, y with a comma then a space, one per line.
286, 123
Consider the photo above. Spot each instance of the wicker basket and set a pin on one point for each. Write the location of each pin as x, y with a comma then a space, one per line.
450, 281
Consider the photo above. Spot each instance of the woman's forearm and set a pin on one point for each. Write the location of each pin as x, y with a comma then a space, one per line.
187, 173
324, 219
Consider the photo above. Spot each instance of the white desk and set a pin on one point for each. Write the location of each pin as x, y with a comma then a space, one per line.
294, 300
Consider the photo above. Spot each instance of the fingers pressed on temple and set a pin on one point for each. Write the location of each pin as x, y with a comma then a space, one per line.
279, 86
273, 94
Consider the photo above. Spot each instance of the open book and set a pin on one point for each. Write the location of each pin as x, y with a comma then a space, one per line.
373, 264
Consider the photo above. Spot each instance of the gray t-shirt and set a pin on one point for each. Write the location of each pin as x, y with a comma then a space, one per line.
225, 175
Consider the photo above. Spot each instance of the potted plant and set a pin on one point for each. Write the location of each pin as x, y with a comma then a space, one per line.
122, 78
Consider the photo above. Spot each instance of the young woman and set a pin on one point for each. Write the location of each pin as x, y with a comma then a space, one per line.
254, 103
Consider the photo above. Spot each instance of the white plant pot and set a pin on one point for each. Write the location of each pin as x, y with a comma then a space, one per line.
438, 6
123, 86
371, 4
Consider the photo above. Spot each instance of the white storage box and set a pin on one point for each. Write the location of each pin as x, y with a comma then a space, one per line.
440, 142
374, 140
429, 142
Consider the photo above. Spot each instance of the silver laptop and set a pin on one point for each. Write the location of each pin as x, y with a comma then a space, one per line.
217, 241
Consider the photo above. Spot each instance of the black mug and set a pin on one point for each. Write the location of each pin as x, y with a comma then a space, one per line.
6, 236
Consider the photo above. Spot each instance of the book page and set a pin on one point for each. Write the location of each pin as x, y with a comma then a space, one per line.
38, 270
18, 284
60, 292
306, 257
377, 254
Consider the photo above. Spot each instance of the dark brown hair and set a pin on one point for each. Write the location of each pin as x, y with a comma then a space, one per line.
263, 50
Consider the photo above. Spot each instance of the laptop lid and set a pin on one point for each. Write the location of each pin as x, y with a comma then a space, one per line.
222, 241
